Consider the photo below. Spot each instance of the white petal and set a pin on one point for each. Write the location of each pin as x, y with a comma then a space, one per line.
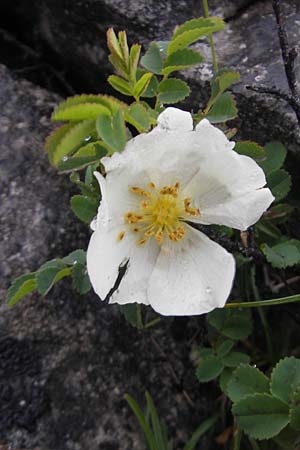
211, 136
104, 257
175, 119
134, 284
239, 212
102, 218
191, 279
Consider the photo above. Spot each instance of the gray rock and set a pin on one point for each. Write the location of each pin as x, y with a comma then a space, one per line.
66, 361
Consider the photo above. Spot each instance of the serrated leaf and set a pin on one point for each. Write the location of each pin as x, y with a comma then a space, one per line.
120, 85
72, 140
224, 348
193, 30
284, 254
224, 379
141, 84
261, 416
124, 46
112, 130
152, 59
84, 111
138, 116
113, 43
46, 277
247, 380
234, 359
106, 101
220, 82
280, 183
86, 155
209, 368
152, 88
81, 281
84, 208
130, 313
182, 59
172, 90
77, 256
295, 410
285, 378
250, 148
223, 109
134, 56
20, 287
275, 156
55, 137
236, 324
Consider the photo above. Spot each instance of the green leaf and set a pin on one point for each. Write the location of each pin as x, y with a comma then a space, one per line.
234, 359
224, 347
75, 138
77, 256
284, 254
261, 416
55, 138
247, 380
172, 90
285, 378
152, 88
46, 277
279, 213
224, 379
134, 56
250, 148
130, 313
152, 59
86, 155
120, 85
235, 324
107, 101
137, 115
295, 410
209, 368
156, 426
141, 84
220, 82
223, 109
275, 157
85, 111
199, 432
182, 59
84, 208
20, 287
192, 31
81, 281
112, 130
142, 421
280, 183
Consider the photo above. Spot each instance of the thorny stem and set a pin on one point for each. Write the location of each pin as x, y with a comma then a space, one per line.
210, 36
271, 302
288, 57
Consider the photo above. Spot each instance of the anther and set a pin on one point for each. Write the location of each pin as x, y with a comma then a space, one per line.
121, 235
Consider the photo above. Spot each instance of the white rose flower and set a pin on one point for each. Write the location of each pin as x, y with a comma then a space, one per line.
160, 183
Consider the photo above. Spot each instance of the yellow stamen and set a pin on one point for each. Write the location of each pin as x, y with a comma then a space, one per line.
161, 215
121, 235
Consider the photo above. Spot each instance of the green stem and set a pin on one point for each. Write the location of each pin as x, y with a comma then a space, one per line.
237, 439
210, 36
262, 315
271, 302
152, 323
140, 324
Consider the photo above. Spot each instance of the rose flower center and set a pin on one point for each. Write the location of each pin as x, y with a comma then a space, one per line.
161, 214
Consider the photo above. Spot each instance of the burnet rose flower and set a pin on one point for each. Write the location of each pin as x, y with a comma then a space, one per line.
153, 191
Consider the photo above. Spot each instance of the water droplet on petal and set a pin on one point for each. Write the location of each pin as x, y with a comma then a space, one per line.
208, 290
